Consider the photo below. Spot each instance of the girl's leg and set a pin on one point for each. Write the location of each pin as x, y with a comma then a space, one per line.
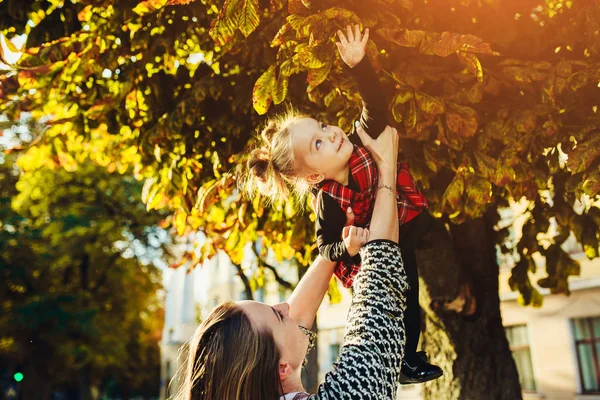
412, 315
415, 366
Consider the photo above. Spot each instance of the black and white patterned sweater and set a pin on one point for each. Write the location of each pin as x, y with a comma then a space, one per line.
369, 363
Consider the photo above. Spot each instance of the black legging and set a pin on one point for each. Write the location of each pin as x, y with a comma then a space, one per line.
412, 315
410, 237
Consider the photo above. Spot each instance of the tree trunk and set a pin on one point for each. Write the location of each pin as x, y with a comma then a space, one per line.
310, 376
470, 347
35, 385
84, 382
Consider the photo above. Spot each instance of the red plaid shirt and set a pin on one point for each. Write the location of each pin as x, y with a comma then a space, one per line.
411, 201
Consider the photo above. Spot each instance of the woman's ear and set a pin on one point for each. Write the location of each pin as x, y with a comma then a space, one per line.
285, 370
313, 179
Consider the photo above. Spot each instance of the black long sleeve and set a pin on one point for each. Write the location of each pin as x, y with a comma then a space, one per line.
330, 223
373, 118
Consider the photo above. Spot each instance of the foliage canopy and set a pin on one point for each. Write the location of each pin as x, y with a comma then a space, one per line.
497, 100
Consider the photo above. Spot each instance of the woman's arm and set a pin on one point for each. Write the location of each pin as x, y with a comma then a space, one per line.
308, 294
384, 222
370, 359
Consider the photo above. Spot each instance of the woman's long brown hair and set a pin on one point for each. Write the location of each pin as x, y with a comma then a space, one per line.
228, 359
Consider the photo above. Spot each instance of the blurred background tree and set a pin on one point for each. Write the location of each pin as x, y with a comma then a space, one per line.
497, 101
79, 292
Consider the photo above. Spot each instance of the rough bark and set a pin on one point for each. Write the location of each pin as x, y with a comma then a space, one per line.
84, 382
310, 375
460, 271
36, 385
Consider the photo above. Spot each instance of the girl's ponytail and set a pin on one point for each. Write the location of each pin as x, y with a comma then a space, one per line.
271, 167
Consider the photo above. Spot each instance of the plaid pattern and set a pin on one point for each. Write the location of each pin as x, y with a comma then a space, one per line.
411, 201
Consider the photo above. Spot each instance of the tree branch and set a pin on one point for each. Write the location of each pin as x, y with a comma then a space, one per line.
102, 279
279, 279
245, 281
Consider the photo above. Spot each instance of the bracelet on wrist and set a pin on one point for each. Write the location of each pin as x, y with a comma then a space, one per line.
388, 187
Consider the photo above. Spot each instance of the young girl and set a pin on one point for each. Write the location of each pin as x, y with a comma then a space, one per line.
310, 155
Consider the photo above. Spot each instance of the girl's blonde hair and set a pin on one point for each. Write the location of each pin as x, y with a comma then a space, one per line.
272, 168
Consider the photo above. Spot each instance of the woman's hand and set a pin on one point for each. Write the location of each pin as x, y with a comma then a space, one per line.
384, 149
352, 49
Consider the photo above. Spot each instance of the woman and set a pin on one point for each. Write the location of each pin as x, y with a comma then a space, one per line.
252, 351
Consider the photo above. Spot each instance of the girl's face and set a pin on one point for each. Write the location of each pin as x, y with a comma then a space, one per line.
323, 150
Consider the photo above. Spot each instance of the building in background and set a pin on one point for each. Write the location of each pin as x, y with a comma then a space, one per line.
557, 347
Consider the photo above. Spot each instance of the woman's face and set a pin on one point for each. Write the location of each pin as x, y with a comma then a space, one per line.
290, 340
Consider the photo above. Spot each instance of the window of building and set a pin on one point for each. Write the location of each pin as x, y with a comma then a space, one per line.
334, 352
168, 377
587, 342
518, 339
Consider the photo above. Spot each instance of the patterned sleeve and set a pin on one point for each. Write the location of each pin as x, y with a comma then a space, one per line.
369, 363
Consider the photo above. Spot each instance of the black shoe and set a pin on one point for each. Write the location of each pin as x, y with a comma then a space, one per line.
419, 370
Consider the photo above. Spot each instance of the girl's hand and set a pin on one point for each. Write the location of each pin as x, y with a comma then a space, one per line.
384, 149
354, 238
352, 49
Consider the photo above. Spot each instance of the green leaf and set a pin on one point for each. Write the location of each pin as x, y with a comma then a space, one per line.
589, 239
525, 121
472, 63
582, 156
428, 104
433, 43
479, 190
504, 174
307, 56
281, 88
430, 160
224, 26
410, 121
149, 5
249, 17
401, 98
333, 291
462, 120
288, 68
453, 195
486, 165
591, 184
341, 14
279, 38
261, 95
318, 75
